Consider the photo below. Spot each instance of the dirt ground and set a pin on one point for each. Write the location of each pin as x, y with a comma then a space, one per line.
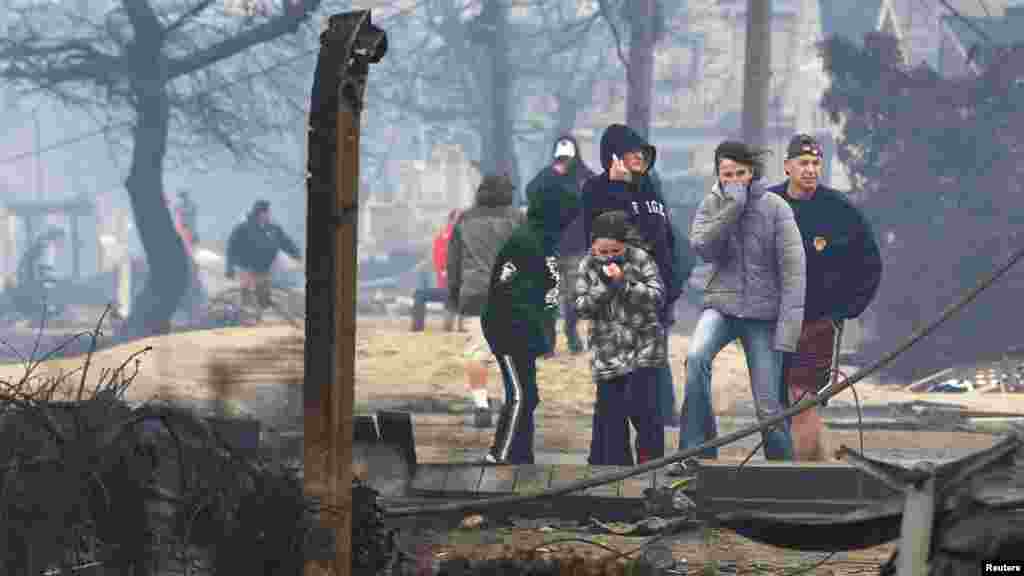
393, 364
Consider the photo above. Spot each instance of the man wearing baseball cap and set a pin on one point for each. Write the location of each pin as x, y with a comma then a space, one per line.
844, 269
566, 171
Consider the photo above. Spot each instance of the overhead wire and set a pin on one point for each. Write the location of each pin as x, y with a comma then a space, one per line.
606, 478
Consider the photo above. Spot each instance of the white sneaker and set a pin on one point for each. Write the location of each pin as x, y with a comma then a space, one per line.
490, 459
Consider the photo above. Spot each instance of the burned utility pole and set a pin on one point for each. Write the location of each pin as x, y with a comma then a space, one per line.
347, 47
757, 70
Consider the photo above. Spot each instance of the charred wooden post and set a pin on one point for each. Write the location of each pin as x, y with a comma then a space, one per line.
348, 46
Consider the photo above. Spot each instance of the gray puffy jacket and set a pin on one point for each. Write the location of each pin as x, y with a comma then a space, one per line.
751, 240
476, 238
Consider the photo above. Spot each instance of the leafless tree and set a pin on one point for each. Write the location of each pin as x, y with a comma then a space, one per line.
649, 23
166, 77
469, 65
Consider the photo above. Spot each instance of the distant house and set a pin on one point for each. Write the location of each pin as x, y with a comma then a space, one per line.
407, 215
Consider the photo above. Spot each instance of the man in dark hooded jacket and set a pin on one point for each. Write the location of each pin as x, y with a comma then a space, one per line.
566, 171
628, 184
523, 296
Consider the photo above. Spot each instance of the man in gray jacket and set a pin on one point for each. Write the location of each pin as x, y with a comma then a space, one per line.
755, 292
472, 249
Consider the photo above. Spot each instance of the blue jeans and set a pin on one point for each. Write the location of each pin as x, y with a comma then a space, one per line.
715, 331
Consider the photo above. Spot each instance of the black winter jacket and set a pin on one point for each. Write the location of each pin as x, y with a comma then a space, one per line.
574, 242
844, 264
642, 200
254, 247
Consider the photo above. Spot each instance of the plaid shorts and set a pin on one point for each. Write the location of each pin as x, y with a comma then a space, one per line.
807, 369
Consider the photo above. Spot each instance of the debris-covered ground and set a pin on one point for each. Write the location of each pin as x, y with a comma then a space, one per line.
422, 372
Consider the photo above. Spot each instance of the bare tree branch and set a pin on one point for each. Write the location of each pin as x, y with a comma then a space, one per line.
143, 18
189, 14
46, 65
286, 23
967, 21
606, 14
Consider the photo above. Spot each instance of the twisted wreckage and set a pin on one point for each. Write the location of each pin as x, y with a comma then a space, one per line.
962, 517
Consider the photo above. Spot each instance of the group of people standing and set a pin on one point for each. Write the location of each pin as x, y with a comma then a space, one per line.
785, 266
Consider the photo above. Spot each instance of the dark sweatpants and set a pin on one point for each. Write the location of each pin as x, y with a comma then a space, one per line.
630, 398
513, 436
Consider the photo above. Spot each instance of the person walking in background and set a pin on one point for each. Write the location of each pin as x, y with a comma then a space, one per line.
844, 270
567, 170
252, 246
755, 293
523, 296
629, 184
185, 220
476, 236
620, 290
440, 258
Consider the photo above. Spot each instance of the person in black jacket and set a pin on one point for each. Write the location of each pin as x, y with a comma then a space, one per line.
567, 171
524, 291
252, 246
844, 269
628, 184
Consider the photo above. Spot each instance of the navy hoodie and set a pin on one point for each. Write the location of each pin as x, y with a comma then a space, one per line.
640, 199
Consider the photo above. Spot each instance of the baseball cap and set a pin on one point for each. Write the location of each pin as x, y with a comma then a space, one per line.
803, 144
565, 148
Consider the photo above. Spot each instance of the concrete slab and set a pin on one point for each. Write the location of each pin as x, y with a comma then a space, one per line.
430, 479
497, 481
532, 478
463, 480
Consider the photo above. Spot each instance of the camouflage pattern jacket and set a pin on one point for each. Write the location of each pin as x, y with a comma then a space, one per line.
625, 332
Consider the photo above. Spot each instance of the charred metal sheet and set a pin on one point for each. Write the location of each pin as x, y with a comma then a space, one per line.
785, 487
821, 532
